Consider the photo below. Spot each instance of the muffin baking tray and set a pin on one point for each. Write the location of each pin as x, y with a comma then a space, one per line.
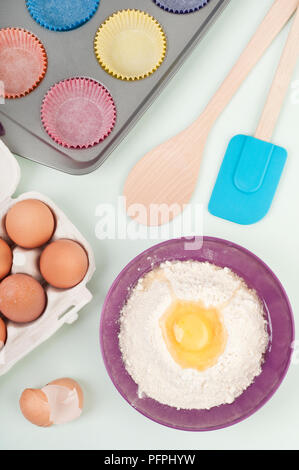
71, 54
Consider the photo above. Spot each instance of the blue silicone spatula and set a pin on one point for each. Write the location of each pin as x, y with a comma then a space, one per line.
252, 166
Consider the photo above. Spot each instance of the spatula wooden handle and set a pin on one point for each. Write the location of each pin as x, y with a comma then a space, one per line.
280, 84
275, 20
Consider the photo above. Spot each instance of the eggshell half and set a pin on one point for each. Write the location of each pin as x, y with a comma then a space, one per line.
30, 223
64, 264
71, 384
52, 404
22, 298
35, 407
5, 259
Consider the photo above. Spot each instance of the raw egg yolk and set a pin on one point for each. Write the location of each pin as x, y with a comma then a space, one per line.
194, 335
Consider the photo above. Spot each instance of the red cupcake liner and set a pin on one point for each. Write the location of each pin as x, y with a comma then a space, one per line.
78, 113
23, 62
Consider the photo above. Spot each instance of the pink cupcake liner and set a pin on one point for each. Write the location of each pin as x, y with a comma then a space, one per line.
23, 62
78, 113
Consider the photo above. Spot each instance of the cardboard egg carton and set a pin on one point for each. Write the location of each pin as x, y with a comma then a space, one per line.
63, 304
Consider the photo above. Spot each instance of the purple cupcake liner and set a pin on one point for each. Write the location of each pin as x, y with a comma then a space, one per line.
181, 6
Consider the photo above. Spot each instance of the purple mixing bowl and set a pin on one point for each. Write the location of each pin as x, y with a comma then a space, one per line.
277, 309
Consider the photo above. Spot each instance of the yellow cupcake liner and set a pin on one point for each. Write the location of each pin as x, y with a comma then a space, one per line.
130, 45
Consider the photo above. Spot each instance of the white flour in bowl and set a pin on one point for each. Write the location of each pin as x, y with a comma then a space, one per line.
147, 358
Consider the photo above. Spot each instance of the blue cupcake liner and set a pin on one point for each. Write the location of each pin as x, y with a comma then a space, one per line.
62, 15
181, 6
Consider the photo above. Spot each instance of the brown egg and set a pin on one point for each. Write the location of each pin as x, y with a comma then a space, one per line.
3, 333
64, 264
53, 404
30, 223
5, 259
22, 298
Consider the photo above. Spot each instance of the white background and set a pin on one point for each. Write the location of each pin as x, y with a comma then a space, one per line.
108, 421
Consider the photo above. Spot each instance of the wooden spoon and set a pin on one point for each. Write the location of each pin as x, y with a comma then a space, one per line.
163, 181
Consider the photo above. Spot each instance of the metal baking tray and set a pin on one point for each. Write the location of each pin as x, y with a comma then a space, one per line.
71, 54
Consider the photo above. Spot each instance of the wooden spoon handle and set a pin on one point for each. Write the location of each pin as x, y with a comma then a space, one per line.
280, 84
280, 12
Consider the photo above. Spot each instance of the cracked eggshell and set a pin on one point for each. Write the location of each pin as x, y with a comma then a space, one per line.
59, 402
35, 407
71, 384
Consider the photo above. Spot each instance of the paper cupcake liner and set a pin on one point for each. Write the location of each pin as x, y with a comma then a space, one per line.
23, 62
78, 113
130, 45
181, 6
62, 15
